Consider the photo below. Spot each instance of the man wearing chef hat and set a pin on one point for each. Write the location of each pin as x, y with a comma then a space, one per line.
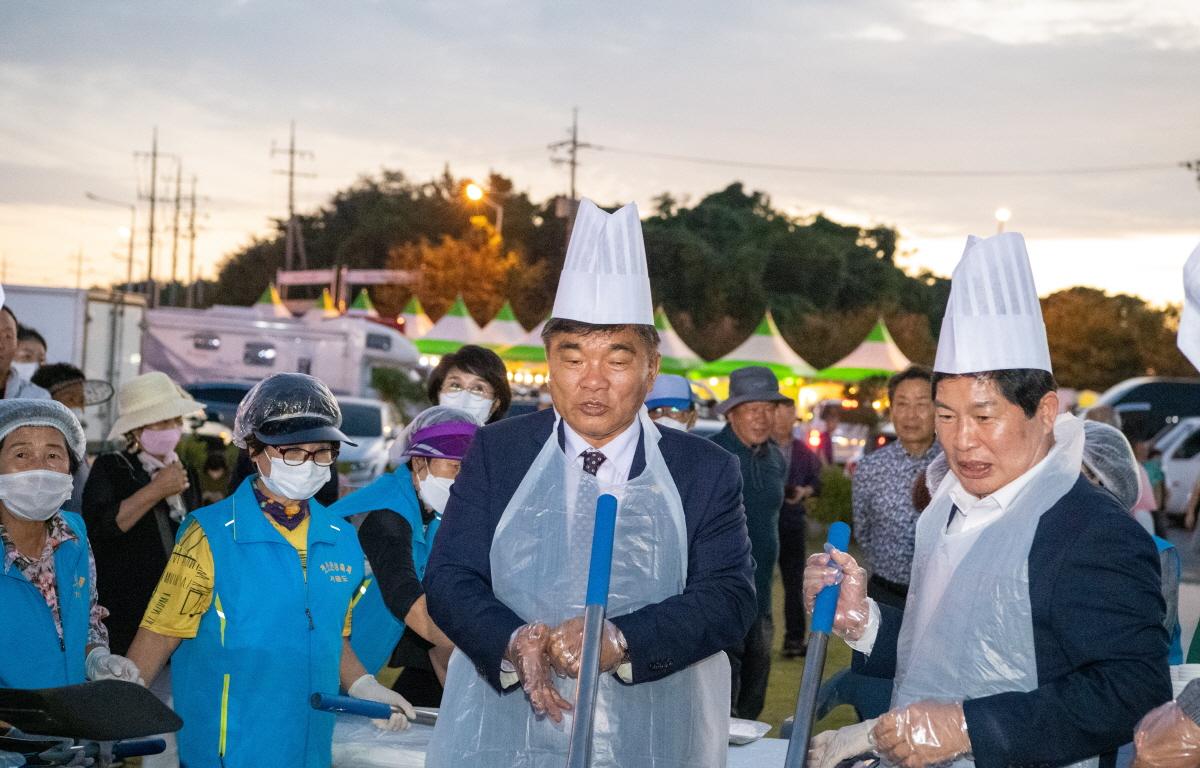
1033, 630
507, 575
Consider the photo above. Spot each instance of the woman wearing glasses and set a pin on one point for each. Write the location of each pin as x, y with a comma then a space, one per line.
472, 379
254, 604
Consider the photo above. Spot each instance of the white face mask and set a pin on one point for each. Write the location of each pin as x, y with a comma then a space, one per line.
295, 483
25, 370
435, 491
35, 495
667, 421
479, 407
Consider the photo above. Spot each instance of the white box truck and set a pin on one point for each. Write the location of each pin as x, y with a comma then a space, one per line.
98, 331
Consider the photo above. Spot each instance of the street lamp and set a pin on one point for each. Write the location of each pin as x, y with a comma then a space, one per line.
476, 194
1002, 217
132, 228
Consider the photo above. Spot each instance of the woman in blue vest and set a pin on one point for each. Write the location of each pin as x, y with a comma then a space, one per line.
254, 603
404, 510
53, 623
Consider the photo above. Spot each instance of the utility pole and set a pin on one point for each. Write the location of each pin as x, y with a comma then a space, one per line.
293, 254
1194, 166
79, 268
173, 299
153, 154
191, 287
572, 145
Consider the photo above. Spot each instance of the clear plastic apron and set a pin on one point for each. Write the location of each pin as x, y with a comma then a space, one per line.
539, 562
978, 641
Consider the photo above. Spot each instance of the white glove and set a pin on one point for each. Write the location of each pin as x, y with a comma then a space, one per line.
102, 665
367, 687
829, 748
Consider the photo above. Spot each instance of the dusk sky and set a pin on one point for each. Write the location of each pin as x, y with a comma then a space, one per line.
918, 112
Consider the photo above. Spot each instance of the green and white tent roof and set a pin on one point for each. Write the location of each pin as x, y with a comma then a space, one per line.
529, 349
878, 355
270, 304
416, 322
362, 306
677, 357
455, 329
503, 330
764, 347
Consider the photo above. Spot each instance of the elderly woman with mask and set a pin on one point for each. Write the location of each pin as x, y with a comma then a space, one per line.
54, 632
135, 498
254, 605
404, 511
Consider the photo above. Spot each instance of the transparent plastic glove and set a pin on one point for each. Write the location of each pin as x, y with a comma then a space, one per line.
367, 687
922, 734
527, 653
566, 647
837, 567
829, 748
102, 665
1166, 738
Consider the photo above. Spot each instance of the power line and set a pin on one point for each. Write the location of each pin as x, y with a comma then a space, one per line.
572, 145
294, 241
908, 172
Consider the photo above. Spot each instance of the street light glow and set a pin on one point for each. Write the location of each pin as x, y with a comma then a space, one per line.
474, 191
1003, 215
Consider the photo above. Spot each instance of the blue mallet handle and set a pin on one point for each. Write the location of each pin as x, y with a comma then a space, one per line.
139, 748
824, 609
579, 753
332, 702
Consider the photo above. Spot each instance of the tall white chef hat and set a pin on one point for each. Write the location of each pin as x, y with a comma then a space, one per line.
1189, 323
993, 320
604, 280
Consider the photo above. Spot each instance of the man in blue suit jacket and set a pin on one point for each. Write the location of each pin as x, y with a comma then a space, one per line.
510, 559
714, 612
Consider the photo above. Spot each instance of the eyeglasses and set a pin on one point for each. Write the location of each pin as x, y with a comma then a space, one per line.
295, 456
479, 390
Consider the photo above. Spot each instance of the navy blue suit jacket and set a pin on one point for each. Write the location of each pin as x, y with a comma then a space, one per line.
1101, 648
714, 611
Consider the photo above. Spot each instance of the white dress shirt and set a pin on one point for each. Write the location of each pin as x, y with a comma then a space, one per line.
972, 515
618, 460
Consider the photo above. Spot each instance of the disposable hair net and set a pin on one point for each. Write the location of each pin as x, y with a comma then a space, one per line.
1110, 460
416, 440
285, 397
43, 413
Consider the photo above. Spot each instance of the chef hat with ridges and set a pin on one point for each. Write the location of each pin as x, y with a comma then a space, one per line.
993, 320
1189, 322
604, 279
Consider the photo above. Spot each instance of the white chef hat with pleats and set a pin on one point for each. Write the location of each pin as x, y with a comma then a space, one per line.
993, 320
1189, 322
604, 280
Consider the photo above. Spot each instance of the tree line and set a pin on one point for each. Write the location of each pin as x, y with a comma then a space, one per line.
715, 267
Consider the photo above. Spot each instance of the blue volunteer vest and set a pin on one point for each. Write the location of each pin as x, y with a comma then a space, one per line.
374, 630
31, 653
269, 639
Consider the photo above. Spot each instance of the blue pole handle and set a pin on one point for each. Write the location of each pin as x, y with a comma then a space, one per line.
600, 569
139, 748
332, 702
826, 603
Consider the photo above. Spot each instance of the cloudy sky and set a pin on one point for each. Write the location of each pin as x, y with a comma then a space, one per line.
925, 114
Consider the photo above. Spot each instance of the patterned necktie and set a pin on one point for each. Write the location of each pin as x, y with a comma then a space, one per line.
592, 459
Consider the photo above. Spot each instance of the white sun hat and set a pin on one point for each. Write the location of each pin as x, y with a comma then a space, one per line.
993, 320
604, 279
149, 398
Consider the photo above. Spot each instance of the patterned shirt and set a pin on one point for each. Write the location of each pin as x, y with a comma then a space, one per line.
41, 574
885, 521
